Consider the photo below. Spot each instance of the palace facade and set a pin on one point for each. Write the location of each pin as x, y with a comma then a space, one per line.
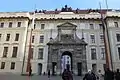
59, 39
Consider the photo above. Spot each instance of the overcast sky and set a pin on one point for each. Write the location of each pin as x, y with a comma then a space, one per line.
29, 5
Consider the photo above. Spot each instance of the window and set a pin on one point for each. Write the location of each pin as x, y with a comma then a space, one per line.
8, 37
40, 53
41, 39
31, 53
101, 38
0, 36
14, 52
103, 53
93, 54
118, 37
42, 26
10, 24
12, 65
5, 51
92, 38
100, 26
116, 24
91, 26
17, 37
119, 52
32, 39
2, 25
2, 65
19, 24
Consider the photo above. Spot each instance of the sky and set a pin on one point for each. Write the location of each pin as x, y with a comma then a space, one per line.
31, 5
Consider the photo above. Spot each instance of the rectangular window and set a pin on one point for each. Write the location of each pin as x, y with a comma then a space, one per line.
100, 26
10, 24
92, 38
8, 37
103, 53
41, 39
17, 37
42, 26
5, 51
119, 52
2, 25
15, 49
12, 65
19, 24
93, 54
116, 24
32, 39
40, 53
32, 53
91, 26
118, 37
101, 38
2, 65
0, 36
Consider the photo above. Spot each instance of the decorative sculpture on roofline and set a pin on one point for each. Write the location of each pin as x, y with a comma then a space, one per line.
66, 9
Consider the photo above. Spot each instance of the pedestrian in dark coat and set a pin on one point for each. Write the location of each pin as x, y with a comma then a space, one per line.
117, 75
48, 73
65, 75
109, 75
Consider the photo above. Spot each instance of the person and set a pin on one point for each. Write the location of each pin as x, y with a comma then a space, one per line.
117, 75
30, 71
109, 75
67, 75
89, 76
48, 73
100, 75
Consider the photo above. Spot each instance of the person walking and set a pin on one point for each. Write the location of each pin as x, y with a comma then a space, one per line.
117, 75
109, 75
67, 75
89, 76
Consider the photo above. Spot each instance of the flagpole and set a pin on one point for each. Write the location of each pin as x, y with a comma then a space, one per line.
106, 42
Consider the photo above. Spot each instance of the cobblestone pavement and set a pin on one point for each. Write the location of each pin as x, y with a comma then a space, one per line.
35, 77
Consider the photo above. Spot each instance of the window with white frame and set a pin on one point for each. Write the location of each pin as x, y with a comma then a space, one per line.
41, 39
118, 37
119, 52
92, 38
5, 52
116, 24
101, 38
91, 26
2, 25
103, 53
33, 38
42, 26
40, 53
93, 54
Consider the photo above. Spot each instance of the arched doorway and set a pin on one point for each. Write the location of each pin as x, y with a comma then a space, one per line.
66, 61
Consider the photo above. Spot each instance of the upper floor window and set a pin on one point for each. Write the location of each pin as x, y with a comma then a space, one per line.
33, 39
17, 37
2, 65
5, 51
15, 49
8, 37
19, 24
93, 54
92, 37
118, 37
100, 26
31, 53
101, 38
42, 26
116, 24
0, 36
10, 24
119, 52
12, 65
2, 25
40, 53
103, 53
41, 39
91, 26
